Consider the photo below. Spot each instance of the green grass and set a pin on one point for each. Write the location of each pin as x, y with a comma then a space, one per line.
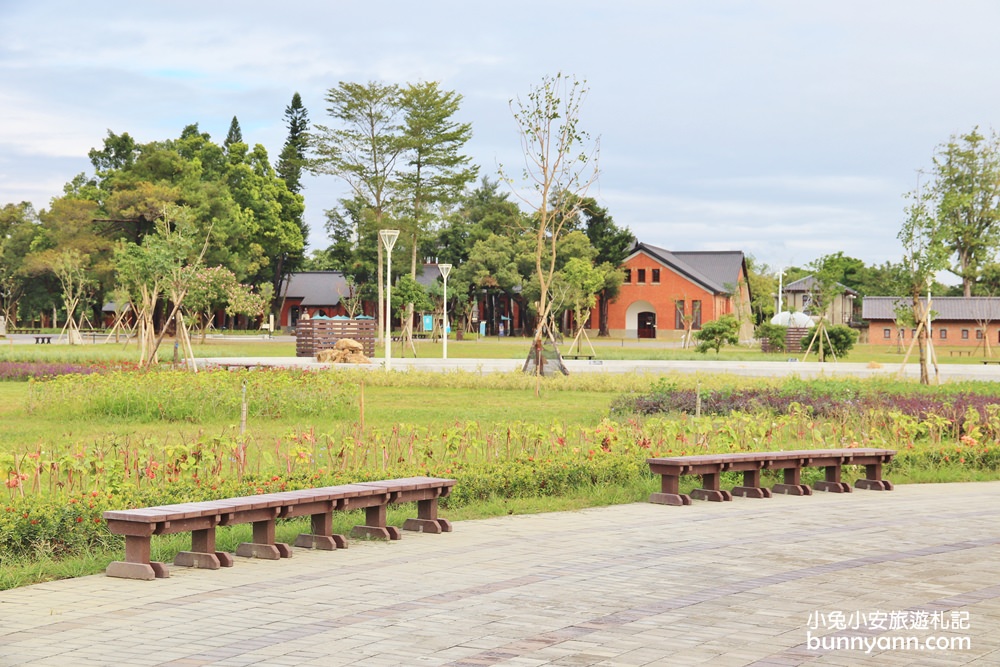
484, 348
42, 566
420, 399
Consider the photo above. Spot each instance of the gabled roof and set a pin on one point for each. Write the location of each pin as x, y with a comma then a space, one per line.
716, 271
315, 288
428, 274
808, 283
956, 308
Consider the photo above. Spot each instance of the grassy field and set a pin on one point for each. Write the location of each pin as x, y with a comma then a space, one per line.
485, 348
567, 425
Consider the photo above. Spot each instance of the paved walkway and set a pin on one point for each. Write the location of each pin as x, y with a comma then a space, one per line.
722, 584
808, 369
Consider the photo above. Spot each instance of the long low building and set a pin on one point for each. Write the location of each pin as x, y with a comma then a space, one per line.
955, 320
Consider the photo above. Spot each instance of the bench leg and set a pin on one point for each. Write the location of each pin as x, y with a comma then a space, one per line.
203, 554
793, 485
873, 479
427, 520
322, 536
751, 486
375, 519
832, 483
137, 564
263, 545
670, 492
710, 489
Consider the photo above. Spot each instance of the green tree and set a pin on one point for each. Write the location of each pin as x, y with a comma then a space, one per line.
363, 150
613, 244
235, 135
713, 335
291, 163
263, 200
159, 265
437, 171
837, 340
560, 166
966, 191
292, 160
208, 291
482, 211
925, 252
776, 336
18, 226
579, 282
763, 290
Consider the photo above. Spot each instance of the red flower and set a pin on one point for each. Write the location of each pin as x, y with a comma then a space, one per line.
79, 519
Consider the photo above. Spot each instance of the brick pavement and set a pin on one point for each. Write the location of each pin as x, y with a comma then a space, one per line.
720, 584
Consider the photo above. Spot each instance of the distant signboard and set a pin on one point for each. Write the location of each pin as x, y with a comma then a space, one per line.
428, 322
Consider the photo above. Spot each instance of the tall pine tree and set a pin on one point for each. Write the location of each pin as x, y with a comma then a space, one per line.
293, 155
235, 135
289, 168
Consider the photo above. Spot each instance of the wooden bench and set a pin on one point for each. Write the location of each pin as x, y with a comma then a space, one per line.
43, 339
991, 362
578, 356
959, 353
711, 466
202, 518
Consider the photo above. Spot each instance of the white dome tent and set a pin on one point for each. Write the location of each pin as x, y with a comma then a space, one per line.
797, 319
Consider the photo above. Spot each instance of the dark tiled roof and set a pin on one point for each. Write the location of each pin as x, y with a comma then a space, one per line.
316, 288
428, 274
808, 283
956, 308
716, 271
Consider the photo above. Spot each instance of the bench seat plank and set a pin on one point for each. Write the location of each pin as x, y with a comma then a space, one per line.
202, 518
791, 462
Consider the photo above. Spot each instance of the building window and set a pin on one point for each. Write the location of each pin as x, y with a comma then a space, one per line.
943, 334
628, 276
913, 333
979, 334
656, 276
887, 333
965, 334
642, 277
679, 315
696, 314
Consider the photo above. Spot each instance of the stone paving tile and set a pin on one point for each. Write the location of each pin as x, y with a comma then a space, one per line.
709, 584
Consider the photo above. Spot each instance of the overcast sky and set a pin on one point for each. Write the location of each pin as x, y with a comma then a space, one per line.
785, 129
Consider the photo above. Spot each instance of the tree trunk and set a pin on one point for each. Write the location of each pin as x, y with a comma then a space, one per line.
918, 316
380, 317
602, 314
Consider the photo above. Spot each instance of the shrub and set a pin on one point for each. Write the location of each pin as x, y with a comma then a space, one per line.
713, 335
774, 334
839, 341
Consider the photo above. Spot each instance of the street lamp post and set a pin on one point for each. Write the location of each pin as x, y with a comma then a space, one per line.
445, 269
388, 237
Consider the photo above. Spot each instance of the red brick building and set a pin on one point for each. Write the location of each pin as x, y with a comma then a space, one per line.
662, 288
955, 320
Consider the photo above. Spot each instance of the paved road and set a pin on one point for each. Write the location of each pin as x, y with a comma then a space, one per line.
751, 582
811, 369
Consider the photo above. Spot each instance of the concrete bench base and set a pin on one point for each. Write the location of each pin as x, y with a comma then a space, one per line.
710, 466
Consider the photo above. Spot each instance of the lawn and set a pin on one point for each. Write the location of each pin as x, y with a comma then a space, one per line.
78, 444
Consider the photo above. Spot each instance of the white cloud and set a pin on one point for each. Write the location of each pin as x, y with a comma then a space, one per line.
788, 129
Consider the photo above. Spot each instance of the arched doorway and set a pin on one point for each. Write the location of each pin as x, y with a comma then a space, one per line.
640, 317
647, 324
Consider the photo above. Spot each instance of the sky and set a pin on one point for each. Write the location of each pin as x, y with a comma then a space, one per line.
785, 129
